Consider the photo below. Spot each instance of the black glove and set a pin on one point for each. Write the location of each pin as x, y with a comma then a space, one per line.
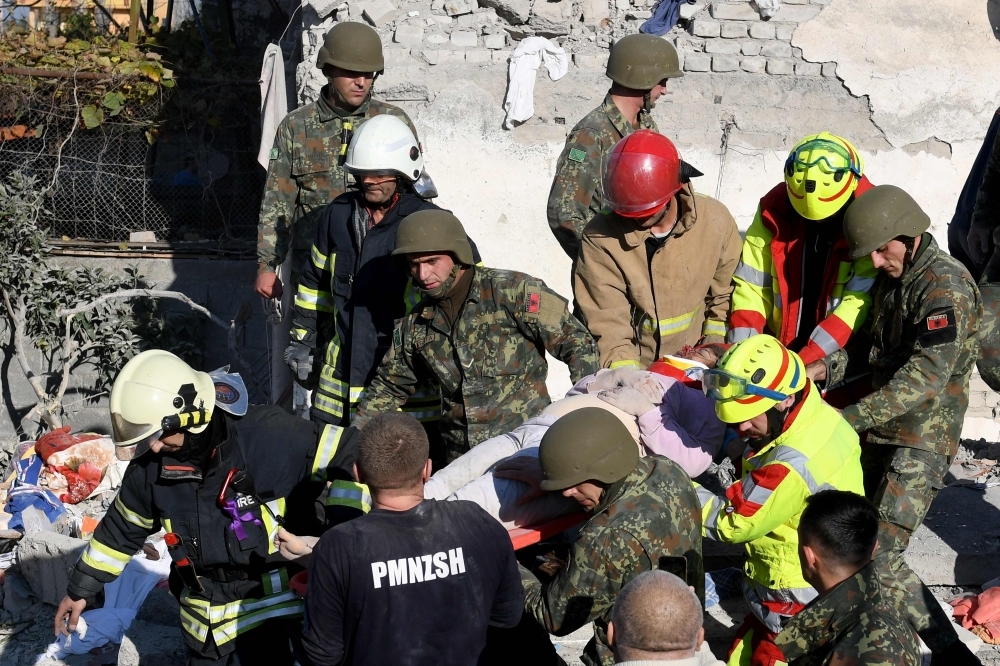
299, 358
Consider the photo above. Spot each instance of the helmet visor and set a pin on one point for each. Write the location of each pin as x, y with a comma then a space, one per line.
828, 156
637, 184
723, 387
136, 449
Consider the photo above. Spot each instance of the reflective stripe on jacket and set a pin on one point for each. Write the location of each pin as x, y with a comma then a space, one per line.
768, 282
639, 310
818, 450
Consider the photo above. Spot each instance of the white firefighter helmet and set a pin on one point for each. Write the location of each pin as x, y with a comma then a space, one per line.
157, 392
385, 144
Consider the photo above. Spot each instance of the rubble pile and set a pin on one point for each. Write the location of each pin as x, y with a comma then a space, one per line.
710, 36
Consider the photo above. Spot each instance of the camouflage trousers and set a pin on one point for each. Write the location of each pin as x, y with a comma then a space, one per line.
989, 330
902, 482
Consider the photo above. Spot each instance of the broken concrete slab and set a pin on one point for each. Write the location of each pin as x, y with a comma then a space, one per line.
408, 35
550, 19
515, 12
459, 7
379, 12
45, 559
595, 11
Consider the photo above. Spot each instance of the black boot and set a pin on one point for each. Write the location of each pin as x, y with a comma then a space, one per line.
956, 654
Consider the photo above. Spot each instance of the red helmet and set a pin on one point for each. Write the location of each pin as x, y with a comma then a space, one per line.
641, 174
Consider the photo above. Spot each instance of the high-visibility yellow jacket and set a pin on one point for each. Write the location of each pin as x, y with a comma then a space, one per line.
818, 450
768, 282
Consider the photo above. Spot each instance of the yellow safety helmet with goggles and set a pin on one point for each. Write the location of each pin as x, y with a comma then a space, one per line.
821, 174
752, 377
157, 392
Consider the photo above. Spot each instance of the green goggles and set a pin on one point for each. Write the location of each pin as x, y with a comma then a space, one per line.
722, 386
837, 158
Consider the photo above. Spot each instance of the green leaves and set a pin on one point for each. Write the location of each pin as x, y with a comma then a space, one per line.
92, 116
114, 101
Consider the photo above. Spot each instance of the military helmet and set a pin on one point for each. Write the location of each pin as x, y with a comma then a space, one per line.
752, 377
588, 444
641, 61
352, 46
879, 215
155, 392
821, 173
433, 231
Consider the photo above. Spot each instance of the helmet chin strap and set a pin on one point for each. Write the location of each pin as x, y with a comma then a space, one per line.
647, 103
908, 242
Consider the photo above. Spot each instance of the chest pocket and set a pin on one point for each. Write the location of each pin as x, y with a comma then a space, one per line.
314, 168
505, 346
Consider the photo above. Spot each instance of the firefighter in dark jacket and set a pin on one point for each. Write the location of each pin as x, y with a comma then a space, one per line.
351, 287
221, 478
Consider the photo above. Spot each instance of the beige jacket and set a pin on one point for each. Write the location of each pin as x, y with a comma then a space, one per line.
640, 310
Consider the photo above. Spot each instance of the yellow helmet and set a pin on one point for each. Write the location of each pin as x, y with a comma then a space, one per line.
753, 376
821, 174
156, 391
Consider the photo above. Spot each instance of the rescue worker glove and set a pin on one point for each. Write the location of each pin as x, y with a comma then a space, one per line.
608, 379
299, 358
979, 244
629, 400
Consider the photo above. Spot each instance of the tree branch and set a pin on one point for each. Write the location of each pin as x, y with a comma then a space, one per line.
136, 293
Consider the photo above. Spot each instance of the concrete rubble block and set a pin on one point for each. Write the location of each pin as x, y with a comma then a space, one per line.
534, 134
436, 38
622, 5
722, 46
501, 56
641, 14
706, 28
784, 31
734, 30
594, 11
437, 5
379, 12
465, 38
397, 57
515, 12
590, 61
721, 63
762, 30
550, 19
45, 559
439, 19
753, 65
750, 48
478, 56
448, 56
776, 50
408, 35
808, 68
829, 69
780, 67
459, 7
734, 11
468, 21
689, 11
797, 14
495, 41
432, 56
690, 44
324, 8
697, 62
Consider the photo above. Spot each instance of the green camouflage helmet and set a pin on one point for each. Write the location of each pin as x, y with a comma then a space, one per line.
352, 46
879, 215
640, 62
587, 444
433, 231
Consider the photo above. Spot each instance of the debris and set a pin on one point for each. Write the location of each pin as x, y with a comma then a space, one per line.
379, 12
980, 614
45, 559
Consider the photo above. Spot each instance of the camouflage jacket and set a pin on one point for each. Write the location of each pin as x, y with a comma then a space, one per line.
851, 625
643, 522
306, 172
923, 345
576, 197
491, 367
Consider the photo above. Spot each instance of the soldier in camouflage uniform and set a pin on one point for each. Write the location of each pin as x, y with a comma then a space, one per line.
851, 622
922, 332
639, 66
644, 515
480, 333
306, 172
984, 226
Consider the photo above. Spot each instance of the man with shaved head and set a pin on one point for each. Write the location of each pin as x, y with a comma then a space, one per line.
657, 619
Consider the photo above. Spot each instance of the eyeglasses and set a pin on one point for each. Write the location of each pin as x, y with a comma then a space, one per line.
722, 386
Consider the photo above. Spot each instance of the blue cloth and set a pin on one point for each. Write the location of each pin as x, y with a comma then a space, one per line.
186, 179
27, 470
21, 497
664, 17
722, 584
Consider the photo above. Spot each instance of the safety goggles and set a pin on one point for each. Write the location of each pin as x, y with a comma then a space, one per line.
722, 386
837, 158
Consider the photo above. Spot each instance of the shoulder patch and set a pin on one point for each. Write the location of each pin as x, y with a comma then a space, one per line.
533, 302
577, 155
939, 327
397, 337
273, 155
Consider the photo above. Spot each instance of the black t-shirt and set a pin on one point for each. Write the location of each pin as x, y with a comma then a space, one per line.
411, 587
819, 241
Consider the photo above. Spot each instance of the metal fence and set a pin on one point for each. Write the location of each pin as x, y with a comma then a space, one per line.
189, 173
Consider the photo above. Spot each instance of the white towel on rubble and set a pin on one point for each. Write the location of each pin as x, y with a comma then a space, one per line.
524, 62
123, 597
273, 100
